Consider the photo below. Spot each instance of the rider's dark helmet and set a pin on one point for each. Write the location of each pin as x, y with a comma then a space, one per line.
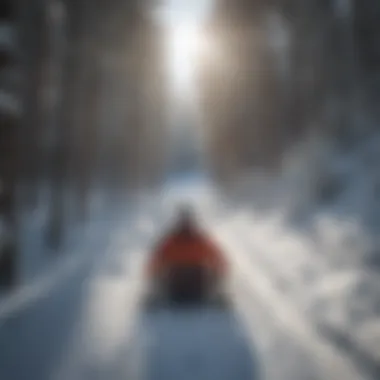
186, 220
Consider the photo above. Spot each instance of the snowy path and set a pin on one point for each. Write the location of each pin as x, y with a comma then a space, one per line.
90, 327
281, 268
293, 349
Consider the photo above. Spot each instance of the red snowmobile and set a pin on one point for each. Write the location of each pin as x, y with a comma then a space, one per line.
186, 267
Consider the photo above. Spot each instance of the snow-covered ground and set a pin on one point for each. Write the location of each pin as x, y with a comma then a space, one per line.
313, 231
86, 323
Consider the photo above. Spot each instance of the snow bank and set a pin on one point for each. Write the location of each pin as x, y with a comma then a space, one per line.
315, 226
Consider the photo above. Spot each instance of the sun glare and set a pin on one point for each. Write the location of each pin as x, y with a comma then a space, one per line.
183, 42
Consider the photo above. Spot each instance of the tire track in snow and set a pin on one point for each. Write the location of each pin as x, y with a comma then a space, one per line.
281, 355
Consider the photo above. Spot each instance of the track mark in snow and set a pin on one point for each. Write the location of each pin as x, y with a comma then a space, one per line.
331, 361
360, 357
201, 344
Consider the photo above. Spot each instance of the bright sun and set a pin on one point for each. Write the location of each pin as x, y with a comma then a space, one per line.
183, 40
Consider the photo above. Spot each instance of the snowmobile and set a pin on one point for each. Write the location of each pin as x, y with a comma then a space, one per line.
186, 269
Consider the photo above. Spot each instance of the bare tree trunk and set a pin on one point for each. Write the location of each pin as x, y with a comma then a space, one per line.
62, 59
8, 170
9, 152
34, 45
87, 117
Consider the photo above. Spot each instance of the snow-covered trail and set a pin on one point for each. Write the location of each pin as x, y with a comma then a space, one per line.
284, 270
90, 326
290, 346
38, 323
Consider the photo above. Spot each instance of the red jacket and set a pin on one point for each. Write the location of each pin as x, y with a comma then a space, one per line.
193, 248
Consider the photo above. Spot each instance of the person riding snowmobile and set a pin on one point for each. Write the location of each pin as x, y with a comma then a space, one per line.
186, 262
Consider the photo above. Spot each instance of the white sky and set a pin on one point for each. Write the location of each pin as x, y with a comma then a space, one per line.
178, 11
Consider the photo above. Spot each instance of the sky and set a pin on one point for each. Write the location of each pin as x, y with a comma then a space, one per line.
177, 11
